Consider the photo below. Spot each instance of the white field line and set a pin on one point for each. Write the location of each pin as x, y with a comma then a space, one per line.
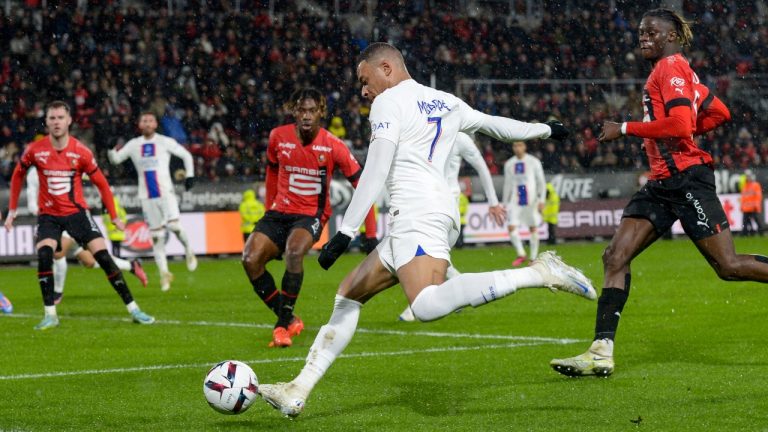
359, 330
261, 361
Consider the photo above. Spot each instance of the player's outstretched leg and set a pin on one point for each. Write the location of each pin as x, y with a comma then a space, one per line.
115, 277
330, 341
477, 289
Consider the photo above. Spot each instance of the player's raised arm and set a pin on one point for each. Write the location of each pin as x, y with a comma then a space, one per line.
120, 154
381, 152
507, 129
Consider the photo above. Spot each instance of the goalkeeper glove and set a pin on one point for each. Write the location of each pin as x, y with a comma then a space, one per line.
189, 183
333, 249
559, 132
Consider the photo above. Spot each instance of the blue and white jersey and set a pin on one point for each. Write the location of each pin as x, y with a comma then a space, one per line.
151, 157
524, 183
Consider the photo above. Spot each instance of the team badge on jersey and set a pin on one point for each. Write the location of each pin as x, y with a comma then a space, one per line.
321, 158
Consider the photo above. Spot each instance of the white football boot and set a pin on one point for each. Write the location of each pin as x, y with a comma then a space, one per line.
560, 276
598, 360
286, 397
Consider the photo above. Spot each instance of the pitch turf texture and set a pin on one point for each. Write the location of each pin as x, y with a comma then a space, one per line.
691, 355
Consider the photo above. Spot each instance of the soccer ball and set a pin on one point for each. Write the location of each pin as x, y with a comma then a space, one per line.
230, 387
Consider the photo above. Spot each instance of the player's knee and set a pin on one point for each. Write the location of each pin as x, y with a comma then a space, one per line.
613, 259
422, 307
45, 254
251, 261
174, 226
727, 269
293, 257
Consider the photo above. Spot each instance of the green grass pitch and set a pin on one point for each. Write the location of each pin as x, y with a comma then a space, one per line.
691, 353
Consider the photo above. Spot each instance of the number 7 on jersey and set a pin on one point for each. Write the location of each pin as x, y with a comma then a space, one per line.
438, 121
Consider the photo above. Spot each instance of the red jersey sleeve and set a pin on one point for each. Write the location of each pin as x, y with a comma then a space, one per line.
711, 115
272, 166
674, 83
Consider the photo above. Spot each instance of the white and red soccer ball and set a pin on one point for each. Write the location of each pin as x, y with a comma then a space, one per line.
230, 387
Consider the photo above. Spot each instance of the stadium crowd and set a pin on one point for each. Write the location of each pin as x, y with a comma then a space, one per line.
217, 80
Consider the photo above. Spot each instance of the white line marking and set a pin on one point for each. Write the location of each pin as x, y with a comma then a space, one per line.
359, 330
262, 361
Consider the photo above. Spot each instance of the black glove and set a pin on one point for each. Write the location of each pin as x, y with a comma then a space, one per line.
559, 132
368, 244
333, 249
189, 183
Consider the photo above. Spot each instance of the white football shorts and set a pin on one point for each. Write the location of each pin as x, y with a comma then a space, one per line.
409, 238
158, 211
523, 216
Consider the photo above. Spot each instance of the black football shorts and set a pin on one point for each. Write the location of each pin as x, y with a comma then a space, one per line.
277, 226
689, 196
80, 226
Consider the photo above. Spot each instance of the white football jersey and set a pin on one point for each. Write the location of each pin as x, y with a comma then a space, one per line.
151, 157
524, 183
465, 149
423, 124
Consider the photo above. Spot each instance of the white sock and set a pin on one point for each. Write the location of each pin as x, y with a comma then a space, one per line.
514, 238
534, 243
50, 310
451, 272
122, 264
329, 342
471, 289
132, 306
176, 229
158, 248
59, 274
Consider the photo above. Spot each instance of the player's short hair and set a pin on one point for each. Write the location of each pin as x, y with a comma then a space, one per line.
379, 49
57, 104
307, 93
682, 27
143, 113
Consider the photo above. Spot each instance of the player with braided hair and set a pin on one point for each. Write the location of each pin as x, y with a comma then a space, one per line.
681, 185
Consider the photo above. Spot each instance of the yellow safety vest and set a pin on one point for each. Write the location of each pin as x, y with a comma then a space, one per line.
551, 206
463, 207
114, 234
251, 210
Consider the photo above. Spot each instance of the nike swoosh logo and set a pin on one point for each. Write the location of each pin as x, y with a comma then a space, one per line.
599, 358
582, 286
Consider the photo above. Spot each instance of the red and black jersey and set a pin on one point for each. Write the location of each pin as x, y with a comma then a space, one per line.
60, 174
671, 98
299, 176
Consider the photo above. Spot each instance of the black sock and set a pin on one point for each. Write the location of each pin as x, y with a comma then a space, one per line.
609, 307
291, 287
114, 275
264, 286
45, 273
